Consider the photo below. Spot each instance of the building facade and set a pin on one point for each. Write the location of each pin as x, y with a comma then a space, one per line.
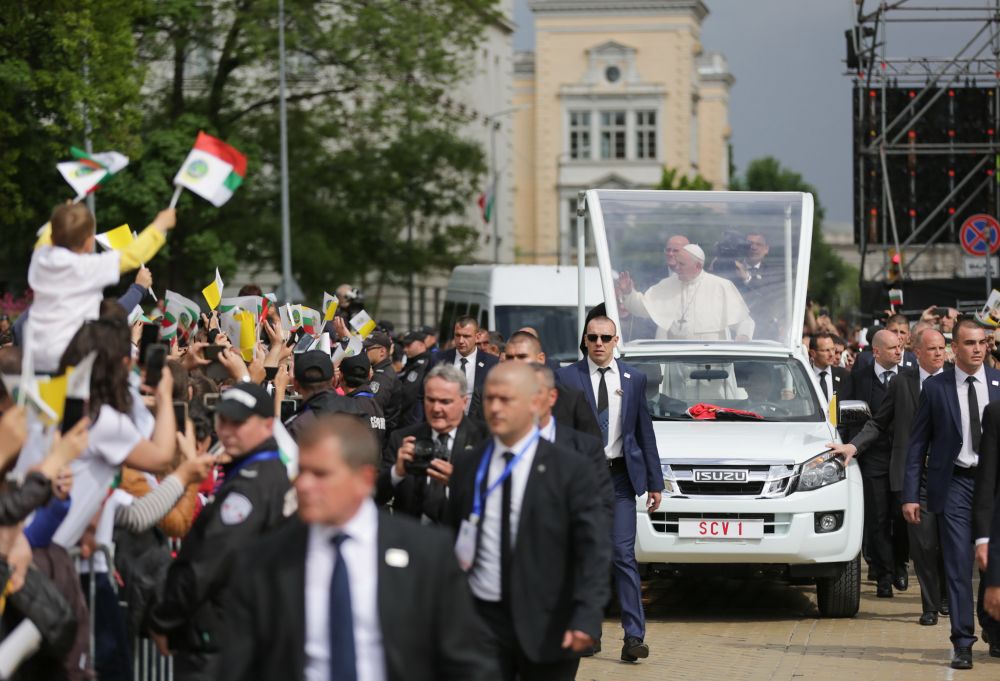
615, 91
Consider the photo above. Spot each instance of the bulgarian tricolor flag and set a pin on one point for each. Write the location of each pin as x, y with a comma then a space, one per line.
86, 173
213, 170
486, 200
180, 316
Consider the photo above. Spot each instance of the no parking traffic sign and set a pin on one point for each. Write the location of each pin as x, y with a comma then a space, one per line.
978, 232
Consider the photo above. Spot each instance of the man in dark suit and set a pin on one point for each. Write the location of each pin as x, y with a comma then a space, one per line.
885, 548
759, 283
466, 357
833, 379
946, 432
421, 491
983, 502
571, 406
895, 418
530, 532
899, 325
617, 395
345, 592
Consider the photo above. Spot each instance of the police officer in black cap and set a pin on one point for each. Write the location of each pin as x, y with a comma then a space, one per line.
417, 358
356, 373
313, 378
249, 501
385, 385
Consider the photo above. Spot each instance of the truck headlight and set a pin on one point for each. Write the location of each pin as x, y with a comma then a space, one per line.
670, 487
820, 471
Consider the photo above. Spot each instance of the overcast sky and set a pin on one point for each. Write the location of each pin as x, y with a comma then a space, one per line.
791, 99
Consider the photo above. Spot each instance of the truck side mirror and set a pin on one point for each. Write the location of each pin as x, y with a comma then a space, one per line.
853, 413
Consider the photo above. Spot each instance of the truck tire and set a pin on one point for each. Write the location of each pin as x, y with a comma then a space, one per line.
840, 596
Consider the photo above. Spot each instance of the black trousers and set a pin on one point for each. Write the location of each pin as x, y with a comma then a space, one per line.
879, 506
925, 549
514, 664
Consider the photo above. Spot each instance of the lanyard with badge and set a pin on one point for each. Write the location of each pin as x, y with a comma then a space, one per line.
465, 545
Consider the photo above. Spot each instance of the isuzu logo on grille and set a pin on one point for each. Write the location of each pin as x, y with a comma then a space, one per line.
719, 475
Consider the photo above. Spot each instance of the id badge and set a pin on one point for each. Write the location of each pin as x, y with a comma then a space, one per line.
465, 545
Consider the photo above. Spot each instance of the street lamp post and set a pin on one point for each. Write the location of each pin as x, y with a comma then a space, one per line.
289, 287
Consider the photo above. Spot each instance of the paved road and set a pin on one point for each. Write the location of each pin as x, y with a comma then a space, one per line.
735, 630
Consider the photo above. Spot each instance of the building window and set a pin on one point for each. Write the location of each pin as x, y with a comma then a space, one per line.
645, 134
612, 134
612, 74
579, 134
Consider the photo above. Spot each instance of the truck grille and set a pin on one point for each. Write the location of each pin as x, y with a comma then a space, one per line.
720, 488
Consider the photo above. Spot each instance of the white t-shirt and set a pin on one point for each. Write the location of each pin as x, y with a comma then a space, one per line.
112, 437
68, 288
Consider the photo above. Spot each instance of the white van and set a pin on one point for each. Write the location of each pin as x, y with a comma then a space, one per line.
506, 298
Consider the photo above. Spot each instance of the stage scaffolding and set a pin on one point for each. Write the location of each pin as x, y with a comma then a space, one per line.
893, 97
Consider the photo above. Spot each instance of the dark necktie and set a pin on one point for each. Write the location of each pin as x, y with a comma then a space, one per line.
975, 427
341, 619
442, 446
603, 411
887, 377
505, 547
822, 385
465, 364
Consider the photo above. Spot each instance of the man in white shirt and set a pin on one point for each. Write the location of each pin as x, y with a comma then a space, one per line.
532, 534
467, 358
946, 435
347, 592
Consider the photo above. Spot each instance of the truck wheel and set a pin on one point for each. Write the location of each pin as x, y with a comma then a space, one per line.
840, 595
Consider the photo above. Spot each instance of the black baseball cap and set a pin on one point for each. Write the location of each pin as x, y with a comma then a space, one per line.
355, 369
378, 339
244, 400
313, 366
428, 331
414, 336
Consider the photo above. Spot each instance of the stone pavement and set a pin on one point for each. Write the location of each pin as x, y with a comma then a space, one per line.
741, 630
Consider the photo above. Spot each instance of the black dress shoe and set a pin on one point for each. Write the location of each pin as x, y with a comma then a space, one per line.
634, 649
994, 649
962, 658
929, 618
884, 588
944, 610
901, 582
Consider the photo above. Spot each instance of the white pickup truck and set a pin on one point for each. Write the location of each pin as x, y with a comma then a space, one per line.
753, 490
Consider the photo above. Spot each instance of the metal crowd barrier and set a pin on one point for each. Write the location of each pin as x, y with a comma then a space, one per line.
147, 662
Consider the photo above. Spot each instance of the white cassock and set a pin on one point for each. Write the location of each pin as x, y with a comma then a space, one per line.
706, 308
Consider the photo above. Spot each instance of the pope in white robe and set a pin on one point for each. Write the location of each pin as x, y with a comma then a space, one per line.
691, 304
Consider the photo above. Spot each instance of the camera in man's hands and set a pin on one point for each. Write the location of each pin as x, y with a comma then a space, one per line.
424, 451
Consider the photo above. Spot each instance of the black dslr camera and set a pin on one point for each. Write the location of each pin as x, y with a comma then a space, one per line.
424, 451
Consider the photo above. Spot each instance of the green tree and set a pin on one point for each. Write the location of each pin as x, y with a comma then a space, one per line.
673, 179
832, 282
45, 51
373, 141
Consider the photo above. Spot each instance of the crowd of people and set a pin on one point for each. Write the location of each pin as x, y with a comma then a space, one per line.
405, 511
390, 508
928, 459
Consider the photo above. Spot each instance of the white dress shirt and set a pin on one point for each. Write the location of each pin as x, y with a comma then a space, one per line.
361, 556
880, 372
828, 380
548, 431
925, 375
484, 577
966, 457
614, 383
470, 373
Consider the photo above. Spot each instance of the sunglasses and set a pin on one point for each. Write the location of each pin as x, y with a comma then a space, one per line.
605, 338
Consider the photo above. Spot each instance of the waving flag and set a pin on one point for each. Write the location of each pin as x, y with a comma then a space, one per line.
180, 316
88, 172
363, 324
213, 292
116, 239
329, 306
213, 170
